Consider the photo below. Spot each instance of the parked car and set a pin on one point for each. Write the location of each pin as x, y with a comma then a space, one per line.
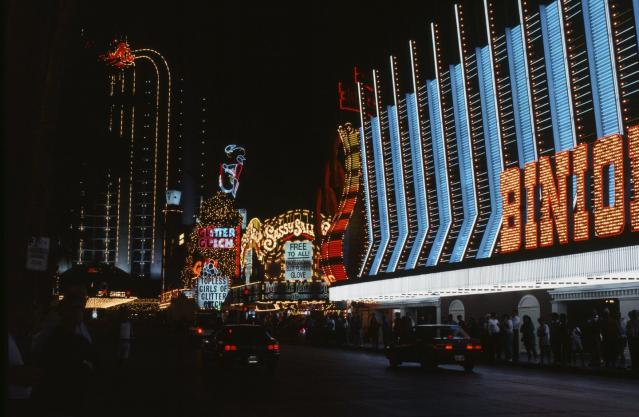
242, 345
435, 344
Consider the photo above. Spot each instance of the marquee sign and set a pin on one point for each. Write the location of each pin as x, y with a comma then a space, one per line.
218, 237
555, 214
212, 286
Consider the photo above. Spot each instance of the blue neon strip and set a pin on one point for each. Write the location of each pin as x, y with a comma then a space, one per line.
441, 173
635, 11
367, 197
466, 170
381, 195
420, 183
602, 71
558, 83
521, 96
400, 196
493, 151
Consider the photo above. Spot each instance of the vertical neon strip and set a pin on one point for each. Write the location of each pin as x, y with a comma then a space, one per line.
398, 178
559, 86
367, 198
522, 99
117, 223
380, 177
440, 161
417, 154
603, 76
635, 11
465, 151
466, 169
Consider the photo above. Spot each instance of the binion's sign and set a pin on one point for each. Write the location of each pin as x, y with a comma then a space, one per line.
586, 192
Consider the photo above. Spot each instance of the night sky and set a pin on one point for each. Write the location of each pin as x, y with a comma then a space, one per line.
271, 71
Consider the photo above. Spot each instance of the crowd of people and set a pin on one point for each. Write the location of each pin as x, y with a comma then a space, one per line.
598, 341
54, 358
603, 340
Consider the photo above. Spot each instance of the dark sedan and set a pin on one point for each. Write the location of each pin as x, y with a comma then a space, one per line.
242, 345
436, 344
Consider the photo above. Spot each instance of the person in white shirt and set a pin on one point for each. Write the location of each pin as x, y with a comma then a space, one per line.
507, 336
493, 334
516, 325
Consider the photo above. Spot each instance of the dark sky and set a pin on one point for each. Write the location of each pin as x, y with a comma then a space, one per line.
271, 70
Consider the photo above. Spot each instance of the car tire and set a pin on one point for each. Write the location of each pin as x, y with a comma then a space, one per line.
468, 367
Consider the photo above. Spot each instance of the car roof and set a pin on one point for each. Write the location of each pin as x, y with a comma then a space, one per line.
243, 325
437, 325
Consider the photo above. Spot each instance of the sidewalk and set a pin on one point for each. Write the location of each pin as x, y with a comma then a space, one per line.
523, 363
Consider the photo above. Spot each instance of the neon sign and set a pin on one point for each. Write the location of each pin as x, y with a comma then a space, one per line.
548, 208
229, 179
120, 57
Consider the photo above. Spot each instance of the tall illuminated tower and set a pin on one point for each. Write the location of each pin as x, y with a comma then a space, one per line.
126, 226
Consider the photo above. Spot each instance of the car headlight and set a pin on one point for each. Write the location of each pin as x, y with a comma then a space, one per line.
207, 341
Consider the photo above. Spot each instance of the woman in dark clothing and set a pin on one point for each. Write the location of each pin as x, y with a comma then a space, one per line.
528, 337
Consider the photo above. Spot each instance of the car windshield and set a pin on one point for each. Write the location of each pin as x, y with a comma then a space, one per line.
246, 334
447, 332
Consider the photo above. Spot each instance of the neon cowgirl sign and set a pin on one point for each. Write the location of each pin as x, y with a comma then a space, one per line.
229, 179
605, 189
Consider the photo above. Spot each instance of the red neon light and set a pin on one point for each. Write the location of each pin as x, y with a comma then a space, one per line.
121, 57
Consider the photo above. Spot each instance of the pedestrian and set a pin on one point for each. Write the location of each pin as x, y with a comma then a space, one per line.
21, 374
623, 340
68, 361
528, 337
492, 327
564, 334
461, 323
610, 338
632, 332
594, 339
576, 345
543, 335
507, 337
387, 332
397, 327
555, 338
373, 331
516, 326
473, 328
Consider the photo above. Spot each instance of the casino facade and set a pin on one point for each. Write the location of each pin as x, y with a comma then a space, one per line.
500, 164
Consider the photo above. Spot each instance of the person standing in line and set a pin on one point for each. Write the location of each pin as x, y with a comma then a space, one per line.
543, 334
373, 331
632, 332
528, 337
493, 336
555, 338
387, 333
623, 340
516, 326
594, 339
564, 333
576, 346
610, 338
507, 337
124, 342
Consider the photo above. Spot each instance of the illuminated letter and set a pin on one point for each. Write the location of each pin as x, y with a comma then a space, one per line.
511, 197
606, 152
554, 198
530, 183
581, 215
633, 154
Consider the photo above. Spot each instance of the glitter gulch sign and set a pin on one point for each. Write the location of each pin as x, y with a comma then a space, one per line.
558, 199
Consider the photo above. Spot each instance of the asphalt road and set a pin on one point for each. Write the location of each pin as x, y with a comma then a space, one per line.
166, 376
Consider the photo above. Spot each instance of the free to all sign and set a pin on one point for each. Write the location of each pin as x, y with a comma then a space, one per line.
298, 260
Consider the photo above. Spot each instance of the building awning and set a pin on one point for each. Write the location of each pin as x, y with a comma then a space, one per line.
615, 265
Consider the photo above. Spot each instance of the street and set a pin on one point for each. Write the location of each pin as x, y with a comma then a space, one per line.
166, 377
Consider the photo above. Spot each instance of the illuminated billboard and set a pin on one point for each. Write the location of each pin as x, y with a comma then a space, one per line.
286, 246
527, 145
